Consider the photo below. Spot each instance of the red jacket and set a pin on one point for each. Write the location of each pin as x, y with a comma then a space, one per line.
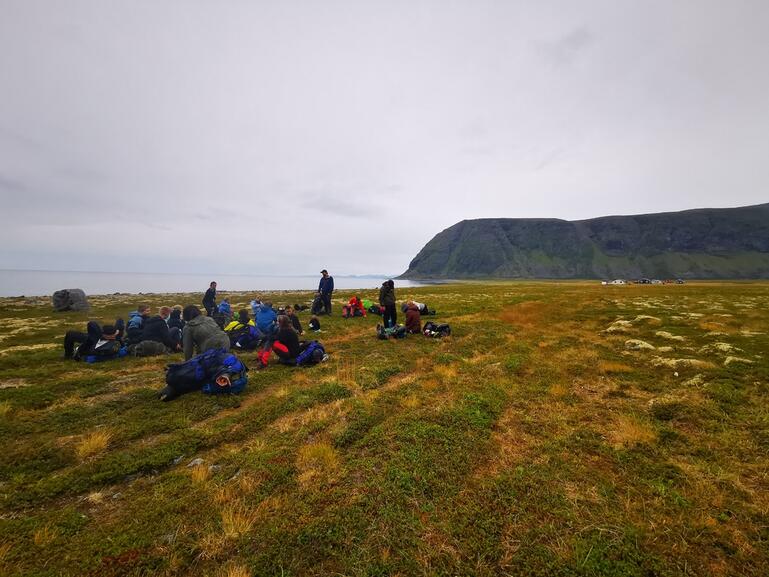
356, 303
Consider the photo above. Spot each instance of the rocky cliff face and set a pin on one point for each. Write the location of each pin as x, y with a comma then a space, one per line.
702, 243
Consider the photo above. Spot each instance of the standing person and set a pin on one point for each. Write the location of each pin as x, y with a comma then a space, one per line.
325, 288
387, 300
209, 299
201, 333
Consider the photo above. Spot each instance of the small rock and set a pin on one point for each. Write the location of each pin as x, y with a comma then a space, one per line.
196, 462
730, 360
669, 336
178, 459
638, 345
117, 495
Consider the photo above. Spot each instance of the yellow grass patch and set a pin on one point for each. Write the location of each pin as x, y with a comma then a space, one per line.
236, 571
95, 498
410, 402
527, 314
558, 390
317, 462
629, 431
608, 367
5, 549
45, 535
93, 444
446, 372
25, 348
5, 408
212, 545
237, 520
200, 474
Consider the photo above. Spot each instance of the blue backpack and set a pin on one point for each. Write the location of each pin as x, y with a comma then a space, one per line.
201, 373
312, 354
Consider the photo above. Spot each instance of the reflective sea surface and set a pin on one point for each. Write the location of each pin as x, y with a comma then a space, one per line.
38, 283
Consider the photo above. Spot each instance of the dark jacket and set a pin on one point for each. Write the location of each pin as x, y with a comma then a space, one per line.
209, 299
156, 329
175, 320
201, 334
386, 295
326, 285
135, 331
289, 338
413, 319
295, 323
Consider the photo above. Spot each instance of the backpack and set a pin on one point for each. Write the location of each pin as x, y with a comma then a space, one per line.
106, 350
376, 309
147, 349
312, 354
432, 329
214, 371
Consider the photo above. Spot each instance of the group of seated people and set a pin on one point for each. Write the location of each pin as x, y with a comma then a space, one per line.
191, 332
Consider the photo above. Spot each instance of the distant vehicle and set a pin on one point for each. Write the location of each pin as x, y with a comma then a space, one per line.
643, 281
680, 281
618, 281
655, 281
604, 283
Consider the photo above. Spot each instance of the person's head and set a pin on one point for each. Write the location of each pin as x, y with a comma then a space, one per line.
390, 283
109, 332
267, 304
324, 272
314, 318
144, 310
176, 312
164, 312
284, 322
213, 284
289, 310
243, 316
190, 312
226, 300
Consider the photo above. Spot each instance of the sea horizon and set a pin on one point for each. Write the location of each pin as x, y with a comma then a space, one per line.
41, 282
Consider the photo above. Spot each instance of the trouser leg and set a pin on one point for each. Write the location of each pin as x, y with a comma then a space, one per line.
71, 339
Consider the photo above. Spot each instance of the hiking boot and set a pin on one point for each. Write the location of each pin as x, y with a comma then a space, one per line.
324, 359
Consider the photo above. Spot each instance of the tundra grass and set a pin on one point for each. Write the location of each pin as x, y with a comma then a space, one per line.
562, 429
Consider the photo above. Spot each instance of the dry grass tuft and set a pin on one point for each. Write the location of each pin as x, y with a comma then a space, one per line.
317, 461
237, 520
5, 549
212, 546
5, 409
446, 372
45, 535
410, 402
95, 498
609, 367
200, 474
630, 431
236, 571
93, 444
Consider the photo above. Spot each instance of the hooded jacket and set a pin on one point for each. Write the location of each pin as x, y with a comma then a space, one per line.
413, 319
265, 318
156, 329
201, 334
387, 294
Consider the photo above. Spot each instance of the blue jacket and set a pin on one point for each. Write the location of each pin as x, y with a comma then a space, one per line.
265, 318
224, 308
326, 285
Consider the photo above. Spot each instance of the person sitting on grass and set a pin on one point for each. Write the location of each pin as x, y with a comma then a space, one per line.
294, 320
90, 340
156, 330
175, 319
201, 333
286, 344
136, 320
413, 318
354, 308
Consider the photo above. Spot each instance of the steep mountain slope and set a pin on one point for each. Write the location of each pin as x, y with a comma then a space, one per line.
700, 243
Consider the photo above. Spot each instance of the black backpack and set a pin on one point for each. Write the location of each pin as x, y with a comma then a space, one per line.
432, 329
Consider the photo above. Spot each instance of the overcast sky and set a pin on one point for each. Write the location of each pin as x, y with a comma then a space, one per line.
282, 137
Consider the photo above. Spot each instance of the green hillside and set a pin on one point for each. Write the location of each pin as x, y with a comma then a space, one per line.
702, 243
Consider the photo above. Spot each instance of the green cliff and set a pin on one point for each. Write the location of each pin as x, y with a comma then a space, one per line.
701, 243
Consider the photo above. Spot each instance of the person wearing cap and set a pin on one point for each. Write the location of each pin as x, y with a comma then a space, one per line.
325, 288
90, 339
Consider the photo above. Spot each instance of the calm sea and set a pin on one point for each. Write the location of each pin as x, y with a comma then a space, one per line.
39, 283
